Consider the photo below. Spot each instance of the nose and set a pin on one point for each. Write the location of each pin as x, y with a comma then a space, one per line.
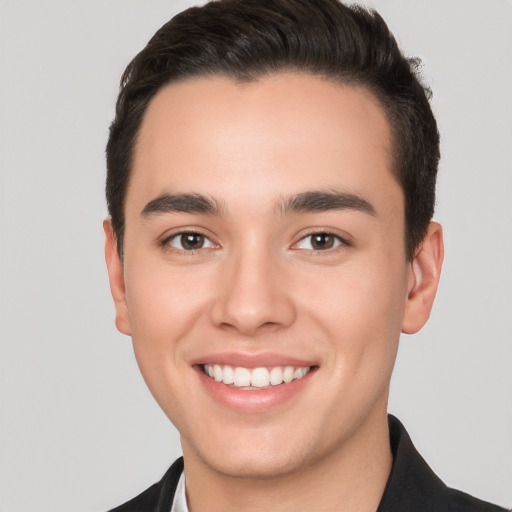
254, 295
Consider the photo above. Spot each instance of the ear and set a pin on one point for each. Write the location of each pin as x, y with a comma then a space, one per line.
425, 271
116, 277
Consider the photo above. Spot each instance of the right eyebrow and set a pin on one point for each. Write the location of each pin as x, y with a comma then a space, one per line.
323, 201
182, 203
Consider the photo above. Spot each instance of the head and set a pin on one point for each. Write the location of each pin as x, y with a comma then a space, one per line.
271, 178
247, 39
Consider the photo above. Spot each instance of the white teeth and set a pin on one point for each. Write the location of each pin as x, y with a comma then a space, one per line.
260, 377
217, 373
242, 377
276, 376
228, 375
297, 374
288, 374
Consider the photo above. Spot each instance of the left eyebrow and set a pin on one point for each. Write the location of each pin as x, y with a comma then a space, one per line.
182, 203
322, 201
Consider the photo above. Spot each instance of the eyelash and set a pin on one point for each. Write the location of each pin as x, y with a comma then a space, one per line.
338, 241
166, 243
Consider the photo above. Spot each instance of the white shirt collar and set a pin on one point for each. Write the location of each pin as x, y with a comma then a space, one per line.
179, 504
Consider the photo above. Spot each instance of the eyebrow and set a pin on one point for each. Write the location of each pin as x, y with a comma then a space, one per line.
311, 201
182, 203
322, 201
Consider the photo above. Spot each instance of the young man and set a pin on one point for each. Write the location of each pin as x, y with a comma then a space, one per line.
271, 184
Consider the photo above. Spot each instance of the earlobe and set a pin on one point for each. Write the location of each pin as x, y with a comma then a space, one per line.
116, 278
424, 278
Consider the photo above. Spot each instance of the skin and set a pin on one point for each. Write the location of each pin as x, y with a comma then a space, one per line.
259, 286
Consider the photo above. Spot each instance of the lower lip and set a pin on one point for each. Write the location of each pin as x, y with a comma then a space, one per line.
253, 400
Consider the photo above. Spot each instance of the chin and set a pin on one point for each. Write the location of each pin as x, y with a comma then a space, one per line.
256, 456
244, 465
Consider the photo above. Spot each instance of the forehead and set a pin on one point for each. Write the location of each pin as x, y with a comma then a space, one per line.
256, 141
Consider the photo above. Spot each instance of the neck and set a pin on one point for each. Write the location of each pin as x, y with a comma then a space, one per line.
350, 479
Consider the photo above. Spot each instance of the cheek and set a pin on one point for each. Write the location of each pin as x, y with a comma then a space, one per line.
166, 311
163, 301
361, 310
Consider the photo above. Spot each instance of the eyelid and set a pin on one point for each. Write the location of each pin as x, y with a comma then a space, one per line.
344, 240
184, 230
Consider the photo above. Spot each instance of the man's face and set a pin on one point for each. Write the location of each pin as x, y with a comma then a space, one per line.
265, 239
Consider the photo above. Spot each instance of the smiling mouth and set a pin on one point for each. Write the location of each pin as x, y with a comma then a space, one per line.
254, 378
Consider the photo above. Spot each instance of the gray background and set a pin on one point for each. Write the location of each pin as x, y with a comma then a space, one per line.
79, 431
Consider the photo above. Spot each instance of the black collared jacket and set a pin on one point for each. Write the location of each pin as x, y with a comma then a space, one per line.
412, 486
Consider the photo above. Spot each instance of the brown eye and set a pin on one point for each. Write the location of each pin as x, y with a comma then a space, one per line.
190, 241
320, 242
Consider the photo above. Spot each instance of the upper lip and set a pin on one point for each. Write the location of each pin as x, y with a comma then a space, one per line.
266, 359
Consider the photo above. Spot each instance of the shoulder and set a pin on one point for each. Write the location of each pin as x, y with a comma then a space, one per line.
158, 497
413, 486
460, 501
